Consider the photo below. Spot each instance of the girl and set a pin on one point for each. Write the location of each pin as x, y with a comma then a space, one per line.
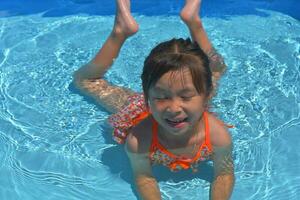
169, 123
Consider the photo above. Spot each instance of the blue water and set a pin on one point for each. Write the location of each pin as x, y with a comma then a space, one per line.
56, 144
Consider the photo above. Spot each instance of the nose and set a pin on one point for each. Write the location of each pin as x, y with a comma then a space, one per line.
174, 106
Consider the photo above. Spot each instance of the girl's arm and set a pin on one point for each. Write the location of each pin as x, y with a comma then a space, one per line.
145, 182
222, 185
138, 154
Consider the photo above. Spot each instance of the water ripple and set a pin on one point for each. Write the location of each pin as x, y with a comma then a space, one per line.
51, 137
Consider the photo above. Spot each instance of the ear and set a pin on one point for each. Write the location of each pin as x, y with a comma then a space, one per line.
210, 96
207, 102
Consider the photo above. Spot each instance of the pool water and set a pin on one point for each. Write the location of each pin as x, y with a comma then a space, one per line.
56, 144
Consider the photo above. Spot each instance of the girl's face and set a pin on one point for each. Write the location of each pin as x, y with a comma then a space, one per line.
175, 103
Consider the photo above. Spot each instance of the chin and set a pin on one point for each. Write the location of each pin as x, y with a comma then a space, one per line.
178, 131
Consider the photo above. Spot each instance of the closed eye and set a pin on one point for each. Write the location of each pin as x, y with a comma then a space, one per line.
161, 98
186, 98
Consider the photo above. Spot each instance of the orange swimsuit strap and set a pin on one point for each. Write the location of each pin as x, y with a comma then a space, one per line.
183, 162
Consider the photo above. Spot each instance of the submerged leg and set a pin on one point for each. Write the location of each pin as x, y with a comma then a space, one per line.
124, 27
191, 17
89, 78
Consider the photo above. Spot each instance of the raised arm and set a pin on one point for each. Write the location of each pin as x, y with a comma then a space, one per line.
89, 78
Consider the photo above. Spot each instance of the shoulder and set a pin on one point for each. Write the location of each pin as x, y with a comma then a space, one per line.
139, 138
219, 134
137, 148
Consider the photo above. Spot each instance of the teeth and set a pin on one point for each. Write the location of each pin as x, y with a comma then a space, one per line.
180, 120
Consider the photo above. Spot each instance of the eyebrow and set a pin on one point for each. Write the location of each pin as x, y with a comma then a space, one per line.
184, 90
159, 88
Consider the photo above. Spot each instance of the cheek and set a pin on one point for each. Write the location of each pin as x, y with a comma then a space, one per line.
196, 111
196, 108
155, 107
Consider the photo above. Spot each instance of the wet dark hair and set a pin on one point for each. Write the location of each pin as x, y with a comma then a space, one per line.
175, 55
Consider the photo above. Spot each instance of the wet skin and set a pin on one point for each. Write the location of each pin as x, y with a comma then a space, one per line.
176, 105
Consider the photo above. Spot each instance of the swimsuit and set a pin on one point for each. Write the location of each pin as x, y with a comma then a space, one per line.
128, 117
160, 155
135, 112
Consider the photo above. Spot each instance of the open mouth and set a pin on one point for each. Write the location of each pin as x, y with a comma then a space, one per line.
177, 123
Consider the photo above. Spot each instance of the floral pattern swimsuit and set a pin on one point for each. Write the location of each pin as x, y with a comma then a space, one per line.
136, 111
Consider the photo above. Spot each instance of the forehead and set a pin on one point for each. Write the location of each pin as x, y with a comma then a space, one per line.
179, 79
